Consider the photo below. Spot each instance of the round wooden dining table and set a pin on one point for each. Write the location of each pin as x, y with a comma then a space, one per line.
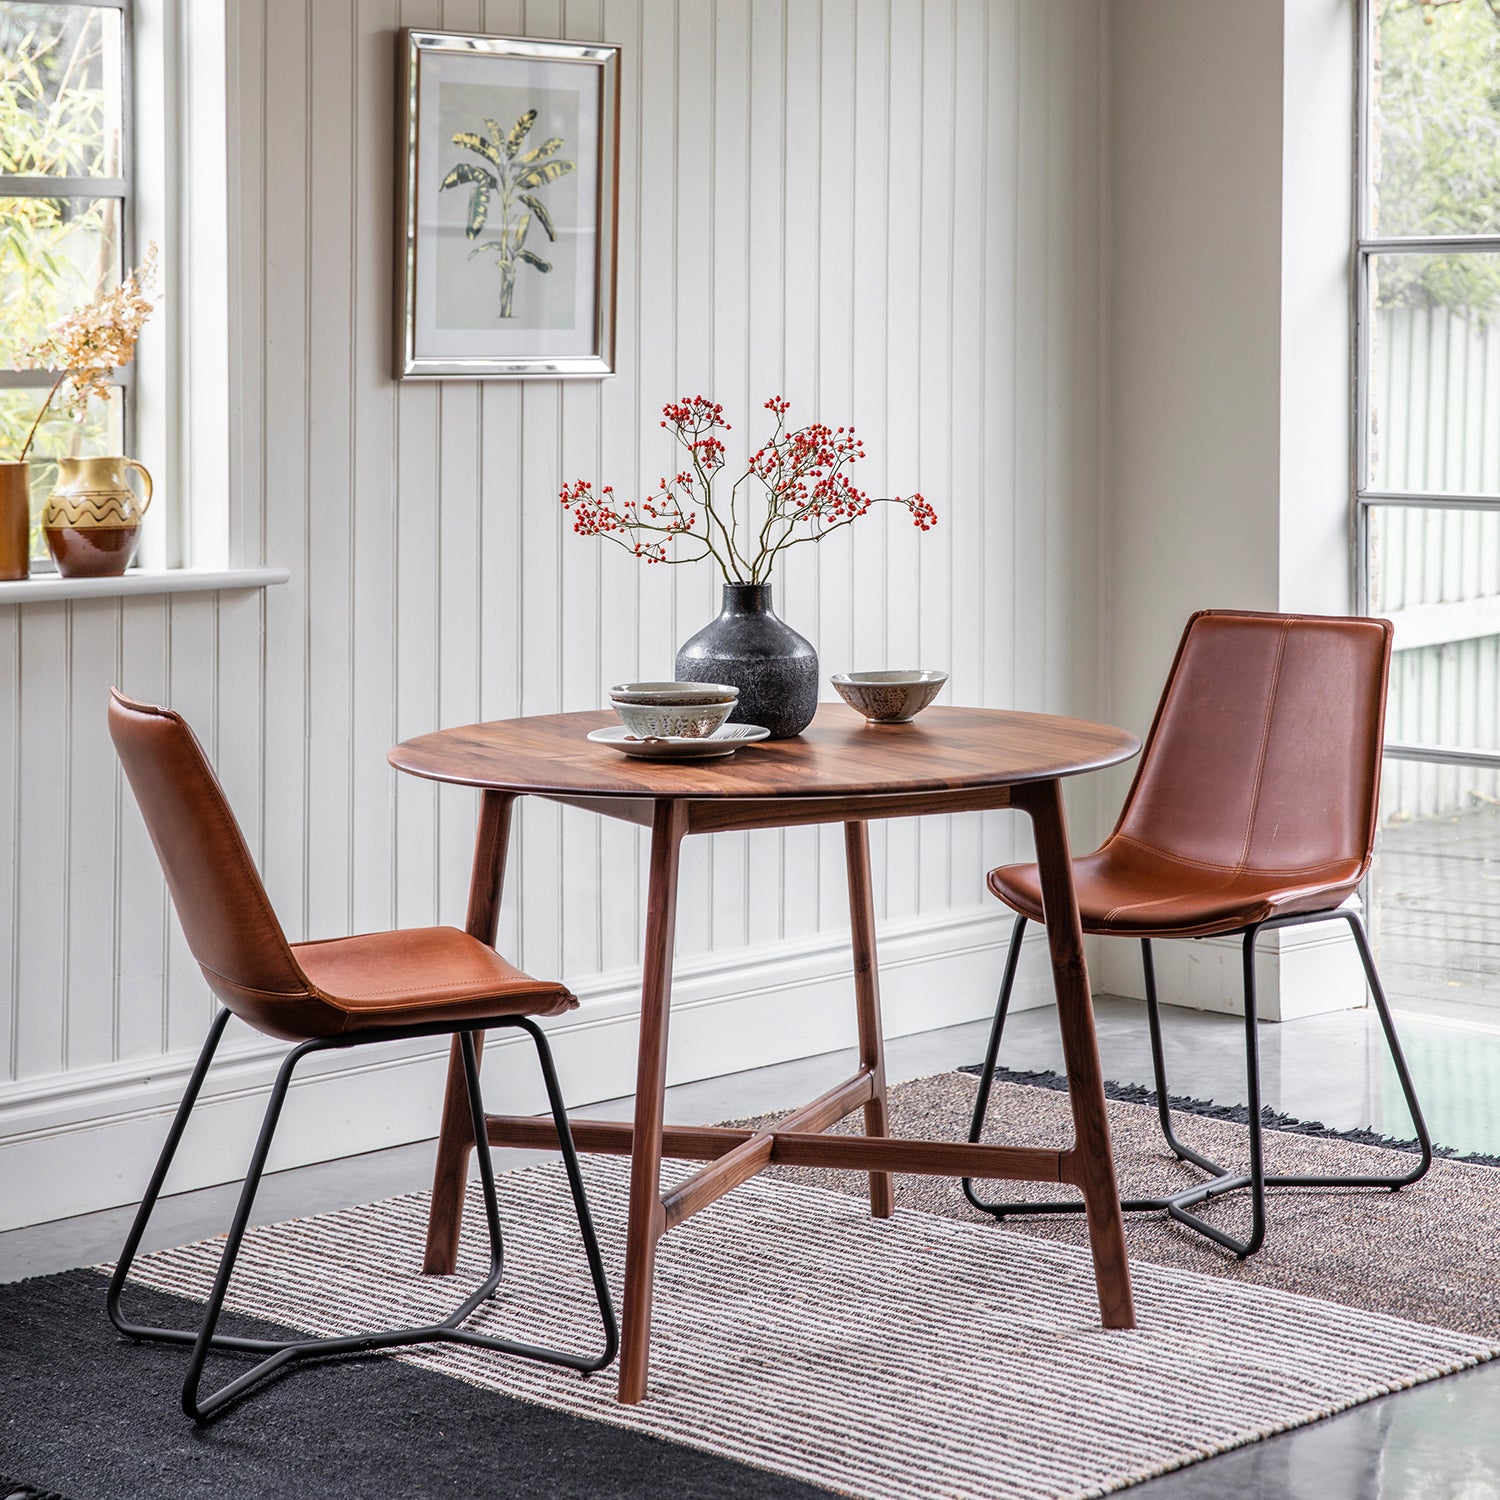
839, 770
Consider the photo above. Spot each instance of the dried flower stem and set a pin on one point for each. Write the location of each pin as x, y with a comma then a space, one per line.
41, 412
808, 494
90, 343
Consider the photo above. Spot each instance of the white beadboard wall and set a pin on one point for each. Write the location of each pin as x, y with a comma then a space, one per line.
890, 212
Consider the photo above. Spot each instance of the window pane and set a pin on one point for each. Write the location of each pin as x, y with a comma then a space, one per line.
102, 431
1435, 891
55, 253
1435, 113
1434, 418
60, 91
1436, 575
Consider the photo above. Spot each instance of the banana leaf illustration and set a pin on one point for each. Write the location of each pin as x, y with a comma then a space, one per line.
515, 181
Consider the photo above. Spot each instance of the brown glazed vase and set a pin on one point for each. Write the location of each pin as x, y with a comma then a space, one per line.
92, 519
15, 520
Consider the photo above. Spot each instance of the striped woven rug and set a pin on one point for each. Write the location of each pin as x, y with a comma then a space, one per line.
916, 1357
1426, 1253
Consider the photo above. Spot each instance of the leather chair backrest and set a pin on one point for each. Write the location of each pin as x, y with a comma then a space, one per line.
1265, 751
221, 903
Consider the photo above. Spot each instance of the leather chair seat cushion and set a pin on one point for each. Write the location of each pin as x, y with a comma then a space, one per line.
1127, 888
421, 975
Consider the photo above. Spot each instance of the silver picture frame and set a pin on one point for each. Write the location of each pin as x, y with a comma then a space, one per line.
507, 207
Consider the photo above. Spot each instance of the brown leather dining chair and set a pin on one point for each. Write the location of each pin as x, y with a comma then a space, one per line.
340, 993
1254, 807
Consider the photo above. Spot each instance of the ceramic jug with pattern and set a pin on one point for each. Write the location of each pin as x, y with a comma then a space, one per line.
92, 519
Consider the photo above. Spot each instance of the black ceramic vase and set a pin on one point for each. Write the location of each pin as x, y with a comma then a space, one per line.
748, 647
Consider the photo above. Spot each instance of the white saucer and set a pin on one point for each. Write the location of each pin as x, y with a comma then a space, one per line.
723, 741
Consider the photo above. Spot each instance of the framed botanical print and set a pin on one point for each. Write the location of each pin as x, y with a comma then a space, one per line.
507, 209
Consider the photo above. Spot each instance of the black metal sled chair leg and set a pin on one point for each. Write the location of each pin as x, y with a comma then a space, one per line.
991, 1054
279, 1353
1221, 1180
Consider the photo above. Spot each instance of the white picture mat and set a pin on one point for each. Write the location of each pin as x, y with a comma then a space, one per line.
578, 231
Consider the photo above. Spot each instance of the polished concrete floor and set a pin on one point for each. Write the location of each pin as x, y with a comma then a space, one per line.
1438, 1442
1434, 896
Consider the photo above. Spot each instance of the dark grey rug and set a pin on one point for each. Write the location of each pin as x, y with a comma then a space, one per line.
90, 1416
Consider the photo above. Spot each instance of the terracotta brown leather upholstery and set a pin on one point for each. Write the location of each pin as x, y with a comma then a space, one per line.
1257, 790
295, 991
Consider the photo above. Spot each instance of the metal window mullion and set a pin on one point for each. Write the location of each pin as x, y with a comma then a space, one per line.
1437, 755
30, 380
1430, 499
1364, 52
65, 187
127, 207
1361, 429
1362, 558
1365, 23
1418, 244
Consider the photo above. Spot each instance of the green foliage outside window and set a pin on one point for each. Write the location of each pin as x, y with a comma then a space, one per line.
1436, 148
59, 112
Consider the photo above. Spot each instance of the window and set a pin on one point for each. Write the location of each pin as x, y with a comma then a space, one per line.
66, 211
1427, 505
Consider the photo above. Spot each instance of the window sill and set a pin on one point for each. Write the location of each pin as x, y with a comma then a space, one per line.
50, 588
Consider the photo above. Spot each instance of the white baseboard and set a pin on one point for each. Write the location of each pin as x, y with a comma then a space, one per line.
77, 1142
1299, 971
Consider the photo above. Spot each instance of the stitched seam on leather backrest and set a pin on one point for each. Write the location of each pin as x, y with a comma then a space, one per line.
1265, 745
1149, 751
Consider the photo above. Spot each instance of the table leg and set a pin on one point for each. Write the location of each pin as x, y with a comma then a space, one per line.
867, 1001
445, 1216
1075, 1011
647, 1219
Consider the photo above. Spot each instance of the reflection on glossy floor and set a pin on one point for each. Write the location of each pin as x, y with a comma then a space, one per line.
1435, 906
1438, 1442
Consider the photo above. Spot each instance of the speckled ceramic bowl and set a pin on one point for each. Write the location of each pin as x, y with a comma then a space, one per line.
888, 697
671, 694
686, 710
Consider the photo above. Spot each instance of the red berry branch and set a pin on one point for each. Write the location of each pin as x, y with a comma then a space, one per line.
801, 475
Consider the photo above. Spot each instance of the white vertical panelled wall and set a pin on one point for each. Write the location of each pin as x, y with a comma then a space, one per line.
888, 212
